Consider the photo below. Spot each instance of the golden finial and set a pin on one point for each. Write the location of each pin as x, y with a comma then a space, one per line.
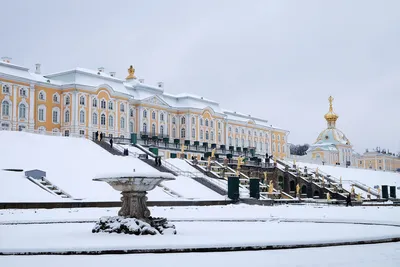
131, 72
331, 117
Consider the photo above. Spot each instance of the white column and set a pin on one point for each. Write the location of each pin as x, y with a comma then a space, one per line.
14, 113
31, 107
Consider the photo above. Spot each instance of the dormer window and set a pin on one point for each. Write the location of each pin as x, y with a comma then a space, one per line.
6, 89
22, 92
56, 98
42, 96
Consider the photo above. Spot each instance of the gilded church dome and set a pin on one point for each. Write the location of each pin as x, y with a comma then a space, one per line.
331, 116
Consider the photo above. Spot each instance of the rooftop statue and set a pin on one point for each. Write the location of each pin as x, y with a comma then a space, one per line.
131, 72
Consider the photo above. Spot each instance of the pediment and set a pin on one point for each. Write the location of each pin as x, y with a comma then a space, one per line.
155, 100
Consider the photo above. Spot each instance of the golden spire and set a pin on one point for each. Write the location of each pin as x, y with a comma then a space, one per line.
331, 116
131, 72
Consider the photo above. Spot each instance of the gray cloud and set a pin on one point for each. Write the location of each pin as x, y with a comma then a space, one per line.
279, 60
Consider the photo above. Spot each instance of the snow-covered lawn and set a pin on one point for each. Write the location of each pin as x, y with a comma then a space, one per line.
71, 164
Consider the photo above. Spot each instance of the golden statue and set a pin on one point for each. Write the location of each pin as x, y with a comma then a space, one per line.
131, 72
316, 172
358, 197
352, 189
294, 162
265, 176
213, 153
182, 148
270, 187
369, 190
328, 196
298, 190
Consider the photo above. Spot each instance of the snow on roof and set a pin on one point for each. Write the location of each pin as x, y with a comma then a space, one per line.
118, 175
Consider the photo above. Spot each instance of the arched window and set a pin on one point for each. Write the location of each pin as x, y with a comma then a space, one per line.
153, 115
94, 118
82, 100
42, 96
183, 120
273, 147
183, 133
206, 123
56, 98
103, 119
122, 108
236, 130
237, 142
131, 112
144, 127
56, 115
110, 121
207, 135
22, 111
103, 104
131, 127
230, 129
201, 122
219, 137
173, 120
193, 120
193, 133
67, 100
122, 123
94, 102
242, 131
66, 116
5, 108
161, 116
162, 130
212, 124
153, 129
212, 136
279, 148
242, 142
173, 133
144, 113
201, 135
82, 116
110, 105
230, 141
42, 113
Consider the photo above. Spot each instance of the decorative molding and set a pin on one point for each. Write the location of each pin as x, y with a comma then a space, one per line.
156, 101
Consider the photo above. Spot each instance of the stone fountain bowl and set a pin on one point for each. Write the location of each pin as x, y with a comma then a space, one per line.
136, 182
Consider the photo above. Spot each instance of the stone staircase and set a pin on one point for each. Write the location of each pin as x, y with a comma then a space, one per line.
49, 187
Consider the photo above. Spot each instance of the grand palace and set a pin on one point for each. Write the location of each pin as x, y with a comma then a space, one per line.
79, 102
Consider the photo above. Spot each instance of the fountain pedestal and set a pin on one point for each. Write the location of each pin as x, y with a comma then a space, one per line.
134, 216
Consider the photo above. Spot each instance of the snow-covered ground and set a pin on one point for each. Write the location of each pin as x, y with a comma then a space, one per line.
197, 233
71, 164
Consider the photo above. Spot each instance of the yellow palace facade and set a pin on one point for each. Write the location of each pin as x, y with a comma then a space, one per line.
79, 102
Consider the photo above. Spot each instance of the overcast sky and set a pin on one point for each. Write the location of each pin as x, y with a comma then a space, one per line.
279, 60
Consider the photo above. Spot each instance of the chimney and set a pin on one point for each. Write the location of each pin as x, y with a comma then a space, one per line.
101, 69
141, 80
37, 69
6, 59
112, 73
160, 85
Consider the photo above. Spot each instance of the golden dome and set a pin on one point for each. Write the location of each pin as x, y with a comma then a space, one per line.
331, 116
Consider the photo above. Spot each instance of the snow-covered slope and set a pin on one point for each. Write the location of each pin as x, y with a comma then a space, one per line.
70, 163
368, 177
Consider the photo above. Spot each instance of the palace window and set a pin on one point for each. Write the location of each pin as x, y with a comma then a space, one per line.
144, 113
249, 133
5, 108
237, 142
81, 132
236, 130
201, 122
122, 108
207, 135
219, 125
56, 98
56, 115
41, 113
193, 133
110, 105
242, 142
22, 111
122, 123
6, 89
66, 116
212, 136
131, 112
82, 116
212, 124
153, 129
162, 130
145, 127
230, 141
94, 102
273, 136
82, 100
183, 133
66, 133
103, 119
161, 116
42, 96
67, 100
153, 115
219, 137
131, 127
242, 131
193, 120
206, 123
201, 134
279, 137
230, 129
103, 104
173, 133
94, 118
22, 92
110, 121
173, 120
183, 120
